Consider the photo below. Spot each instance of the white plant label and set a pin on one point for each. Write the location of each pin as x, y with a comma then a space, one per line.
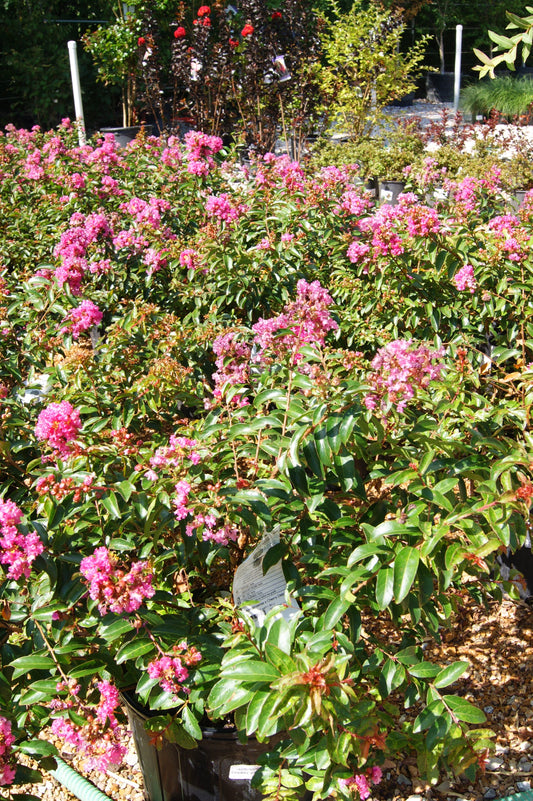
264, 591
242, 772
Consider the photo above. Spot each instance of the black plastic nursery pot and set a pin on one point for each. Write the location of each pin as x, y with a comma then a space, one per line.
219, 769
123, 136
440, 86
389, 191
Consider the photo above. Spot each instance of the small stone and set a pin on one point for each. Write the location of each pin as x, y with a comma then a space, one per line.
523, 787
444, 786
494, 763
415, 797
403, 780
488, 709
502, 749
524, 764
490, 793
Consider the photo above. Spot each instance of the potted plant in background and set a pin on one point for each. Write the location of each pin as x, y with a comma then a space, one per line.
114, 49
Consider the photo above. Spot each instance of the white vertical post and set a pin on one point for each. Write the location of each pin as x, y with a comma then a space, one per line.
76, 90
457, 76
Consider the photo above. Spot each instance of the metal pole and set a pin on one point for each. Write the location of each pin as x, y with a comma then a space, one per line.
76, 89
457, 77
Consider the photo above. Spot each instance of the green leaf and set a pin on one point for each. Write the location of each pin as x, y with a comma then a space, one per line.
226, 696
384, 587
450, 674
110, 502
253, 670
25, 664
131, 650
464, 710
405, 569
425, 670
190, 723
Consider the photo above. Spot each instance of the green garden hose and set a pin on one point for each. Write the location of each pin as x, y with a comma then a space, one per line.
78, 786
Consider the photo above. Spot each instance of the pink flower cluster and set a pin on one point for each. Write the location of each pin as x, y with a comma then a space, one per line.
101, 741
389, 228
224, 208
73, 248
210, 533
7, 770
82, 318
114, 589
171, 671
190, 259
465, 278
232, 362
360, 782
399, 369
146, 213
512, 241
174, 454
58, 425
200, 151
307, 320
276, 169
17, 550
182, 489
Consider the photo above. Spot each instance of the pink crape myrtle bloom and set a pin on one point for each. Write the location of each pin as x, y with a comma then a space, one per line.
114, 589
58, 425
221, 535
307, 319
169, 672
82, 318
17, 550
101, 744
7, 770
360, 782
224, 208
465, 279
399, 369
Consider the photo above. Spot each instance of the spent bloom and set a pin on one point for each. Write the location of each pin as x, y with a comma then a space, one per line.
58, 425
399, 369
114, 589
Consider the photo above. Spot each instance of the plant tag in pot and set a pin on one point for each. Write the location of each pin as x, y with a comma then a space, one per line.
265, 591
242, 772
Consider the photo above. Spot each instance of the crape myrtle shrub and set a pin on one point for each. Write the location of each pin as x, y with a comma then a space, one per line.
196, 352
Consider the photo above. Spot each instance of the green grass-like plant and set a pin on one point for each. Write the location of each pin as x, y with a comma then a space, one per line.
510, 97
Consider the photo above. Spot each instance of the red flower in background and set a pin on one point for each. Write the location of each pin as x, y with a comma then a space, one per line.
180, 32
276, 15
247, 30
141, 40
204, 11
233, 43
